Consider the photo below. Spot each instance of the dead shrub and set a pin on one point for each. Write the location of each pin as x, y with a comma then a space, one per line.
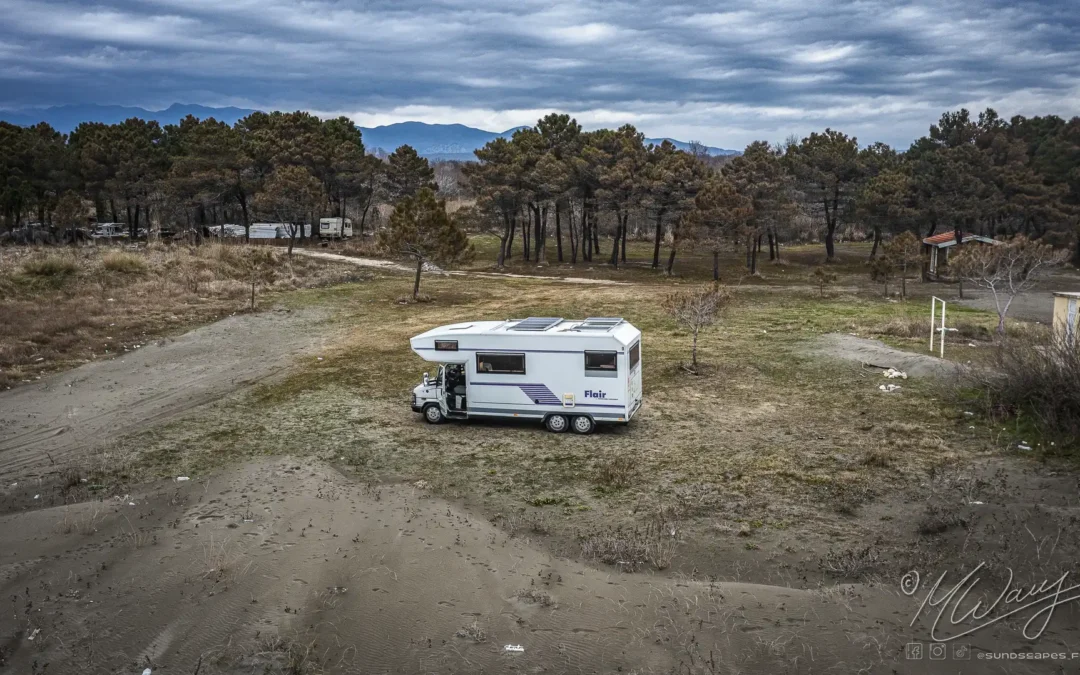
616, 472
851, 562
124, 262
625, 549
537, 596
631, 548
938, 519
52, 265
278, 656
472, 632
1032, 378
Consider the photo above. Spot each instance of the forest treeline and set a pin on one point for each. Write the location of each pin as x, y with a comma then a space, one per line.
586, 192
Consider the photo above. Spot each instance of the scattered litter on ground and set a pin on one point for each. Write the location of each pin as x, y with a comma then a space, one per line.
893, 373
181, 479
37, 496
1023, 446
131, 503
514, 648
976, 503
146, 672
889, 387
34, 634
968, 413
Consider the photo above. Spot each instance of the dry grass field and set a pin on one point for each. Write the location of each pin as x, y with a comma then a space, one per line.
774, 466
62, 307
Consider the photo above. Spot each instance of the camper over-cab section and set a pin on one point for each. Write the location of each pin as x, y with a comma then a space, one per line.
570, 374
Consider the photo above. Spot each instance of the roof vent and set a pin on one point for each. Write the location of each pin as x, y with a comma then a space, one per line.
536, 323
600, 323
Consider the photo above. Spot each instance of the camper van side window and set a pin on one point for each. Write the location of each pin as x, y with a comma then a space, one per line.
446, 345
607, 361
635, 355
507, 364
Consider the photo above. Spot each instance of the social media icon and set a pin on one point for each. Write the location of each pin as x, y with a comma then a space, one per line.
961, 652
938, 651
913, 651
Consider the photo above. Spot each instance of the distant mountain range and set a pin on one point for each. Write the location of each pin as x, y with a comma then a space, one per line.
434, 141
65, 118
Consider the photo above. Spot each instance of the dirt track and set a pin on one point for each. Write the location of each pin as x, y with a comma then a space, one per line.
43, 423
382, 579
387, 265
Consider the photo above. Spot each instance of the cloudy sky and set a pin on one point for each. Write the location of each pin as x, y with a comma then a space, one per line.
725, 73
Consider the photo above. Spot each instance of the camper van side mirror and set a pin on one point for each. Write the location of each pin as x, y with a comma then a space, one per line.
426, 379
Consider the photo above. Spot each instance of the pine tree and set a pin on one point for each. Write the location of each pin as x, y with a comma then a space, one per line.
421, 229
407, 173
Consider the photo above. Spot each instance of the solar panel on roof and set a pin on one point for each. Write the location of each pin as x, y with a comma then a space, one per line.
537, 323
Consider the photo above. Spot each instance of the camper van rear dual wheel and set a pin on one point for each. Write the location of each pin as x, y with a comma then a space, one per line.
583, 425
432, 414
557, 423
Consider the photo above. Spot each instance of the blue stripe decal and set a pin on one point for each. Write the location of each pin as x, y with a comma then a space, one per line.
513, 351
540, 394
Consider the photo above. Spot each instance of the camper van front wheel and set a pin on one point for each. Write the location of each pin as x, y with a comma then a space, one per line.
433, 414
583, 424
557, 423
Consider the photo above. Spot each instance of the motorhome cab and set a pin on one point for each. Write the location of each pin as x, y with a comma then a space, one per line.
335, 228
569, 374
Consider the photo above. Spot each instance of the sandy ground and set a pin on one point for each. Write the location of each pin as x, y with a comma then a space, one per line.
42, 424
879, 355
264, 565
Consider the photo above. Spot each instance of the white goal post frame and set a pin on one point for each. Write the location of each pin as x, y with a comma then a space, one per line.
936, 329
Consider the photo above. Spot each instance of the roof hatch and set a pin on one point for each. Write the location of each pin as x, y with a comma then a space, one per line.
600, 323
536, 323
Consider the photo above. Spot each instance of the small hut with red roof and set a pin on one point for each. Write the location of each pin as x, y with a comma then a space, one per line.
937, 249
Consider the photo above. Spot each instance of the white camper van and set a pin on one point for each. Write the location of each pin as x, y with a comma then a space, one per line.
569, 374
335, 228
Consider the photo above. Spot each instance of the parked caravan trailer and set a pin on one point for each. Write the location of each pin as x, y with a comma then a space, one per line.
110, 231
569, 374
335, 228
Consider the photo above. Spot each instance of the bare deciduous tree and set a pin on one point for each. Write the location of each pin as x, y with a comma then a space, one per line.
258, 264
823, 277
695, 309
1006, 269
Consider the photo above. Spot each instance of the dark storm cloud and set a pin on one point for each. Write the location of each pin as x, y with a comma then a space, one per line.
880, 69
